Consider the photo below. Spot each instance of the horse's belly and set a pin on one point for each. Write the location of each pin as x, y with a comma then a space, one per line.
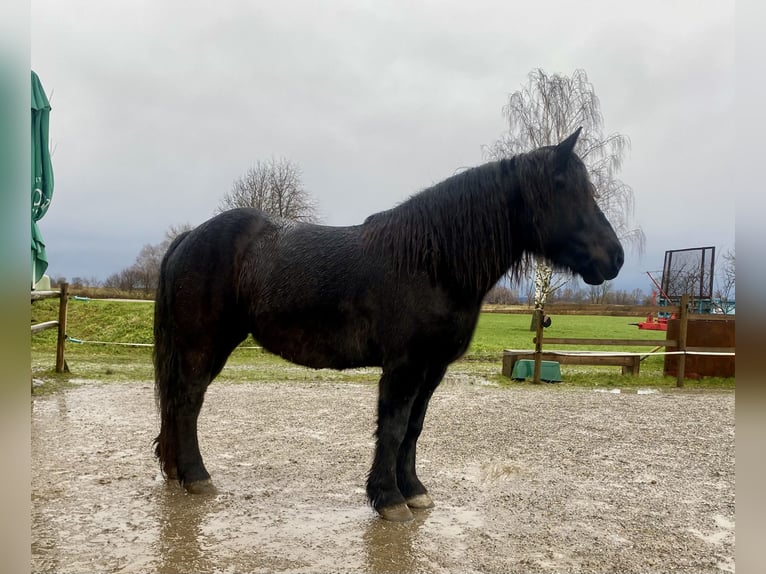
320, 346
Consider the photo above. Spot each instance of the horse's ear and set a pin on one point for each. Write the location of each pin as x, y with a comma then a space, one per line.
564, 149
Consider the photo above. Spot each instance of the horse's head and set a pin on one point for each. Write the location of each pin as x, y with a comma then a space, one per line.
576, 236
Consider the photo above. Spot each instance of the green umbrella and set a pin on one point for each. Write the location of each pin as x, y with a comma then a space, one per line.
42, 175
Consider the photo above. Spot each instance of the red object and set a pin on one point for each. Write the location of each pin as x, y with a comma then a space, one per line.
661, 324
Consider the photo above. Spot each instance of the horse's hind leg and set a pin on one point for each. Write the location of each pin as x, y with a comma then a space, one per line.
415, 494
177, 445
190, 467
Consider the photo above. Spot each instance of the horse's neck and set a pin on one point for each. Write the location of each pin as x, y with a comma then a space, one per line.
472, 228
460, 231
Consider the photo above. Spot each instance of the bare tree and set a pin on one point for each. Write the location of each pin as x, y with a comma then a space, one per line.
501, 295
725, 284
637, 297
544, 112
173, 232
128, 280
147, 267
599, 294
274, 187
144, 274
529, 291
684, 277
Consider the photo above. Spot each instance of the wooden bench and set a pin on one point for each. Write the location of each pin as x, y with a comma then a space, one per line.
630, 363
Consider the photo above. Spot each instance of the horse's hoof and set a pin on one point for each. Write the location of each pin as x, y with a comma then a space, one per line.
420, 501
205, 486
397, 513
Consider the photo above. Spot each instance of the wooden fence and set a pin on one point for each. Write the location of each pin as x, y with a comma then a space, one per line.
63, 296
628, 361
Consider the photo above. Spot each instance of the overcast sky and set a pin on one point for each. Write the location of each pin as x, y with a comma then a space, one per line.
159, 106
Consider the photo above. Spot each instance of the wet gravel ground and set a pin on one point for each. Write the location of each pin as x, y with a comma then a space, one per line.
525, 479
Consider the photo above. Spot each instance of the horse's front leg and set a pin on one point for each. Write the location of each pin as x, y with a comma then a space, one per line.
398, 389
415, 494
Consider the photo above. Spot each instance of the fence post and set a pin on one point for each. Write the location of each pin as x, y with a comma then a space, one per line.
683, 323
61, 366
538, 317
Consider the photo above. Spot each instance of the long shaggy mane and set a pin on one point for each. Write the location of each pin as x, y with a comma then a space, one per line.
472, 227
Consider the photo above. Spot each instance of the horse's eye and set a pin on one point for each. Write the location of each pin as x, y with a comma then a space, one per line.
559, 182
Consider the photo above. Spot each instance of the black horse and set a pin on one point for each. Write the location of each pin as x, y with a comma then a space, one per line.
401, 291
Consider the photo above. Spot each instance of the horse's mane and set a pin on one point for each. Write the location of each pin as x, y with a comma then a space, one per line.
472, 227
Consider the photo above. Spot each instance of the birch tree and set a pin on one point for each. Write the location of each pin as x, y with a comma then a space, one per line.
546, 110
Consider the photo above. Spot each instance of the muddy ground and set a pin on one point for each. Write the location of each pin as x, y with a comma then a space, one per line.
526, 479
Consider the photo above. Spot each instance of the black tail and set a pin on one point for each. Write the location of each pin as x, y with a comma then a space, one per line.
166, 368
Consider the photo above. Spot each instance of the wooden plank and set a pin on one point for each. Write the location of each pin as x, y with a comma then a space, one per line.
614, 360
711, 317
554, 309
584, 359
606, 342
43, 326
37, 295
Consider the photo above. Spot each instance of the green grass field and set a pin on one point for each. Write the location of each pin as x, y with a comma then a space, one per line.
101, 324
